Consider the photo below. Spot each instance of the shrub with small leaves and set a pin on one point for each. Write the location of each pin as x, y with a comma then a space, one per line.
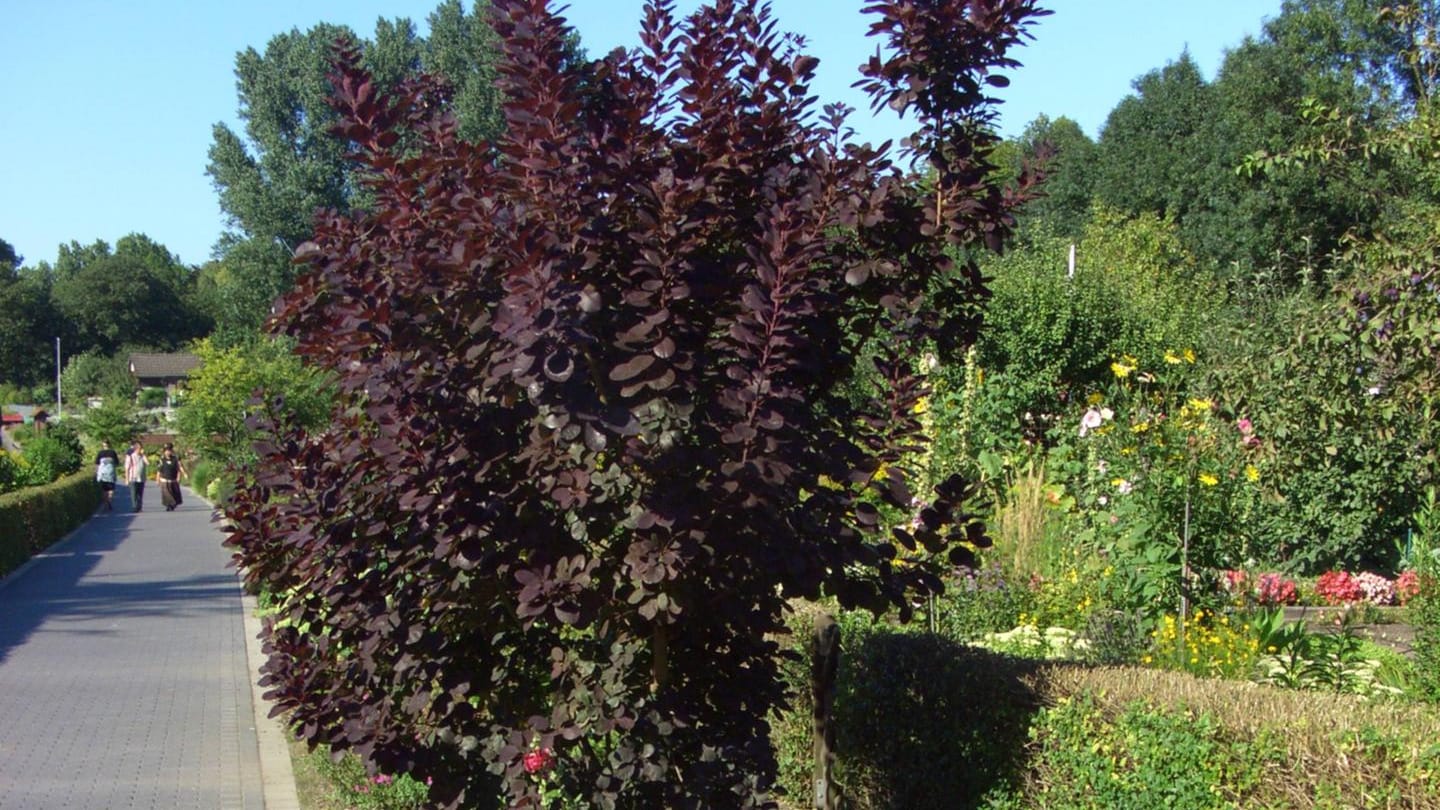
592, 426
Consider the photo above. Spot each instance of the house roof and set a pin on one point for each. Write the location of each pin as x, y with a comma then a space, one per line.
162, 365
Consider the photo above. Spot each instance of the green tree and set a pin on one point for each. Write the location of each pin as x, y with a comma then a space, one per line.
116, 421
139, 293
1070, 182
286, 165
212, 417
28, 326
9, 259
1155, 145
91, 374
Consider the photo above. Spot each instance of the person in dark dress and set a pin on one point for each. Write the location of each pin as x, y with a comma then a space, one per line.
170, 472
107, 463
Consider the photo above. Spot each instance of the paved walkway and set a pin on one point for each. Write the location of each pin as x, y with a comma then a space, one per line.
124, 681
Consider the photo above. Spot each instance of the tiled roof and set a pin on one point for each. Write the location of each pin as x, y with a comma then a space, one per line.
162, 365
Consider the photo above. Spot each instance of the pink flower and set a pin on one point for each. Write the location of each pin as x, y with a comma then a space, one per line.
1090, 421
1378, 590
1234, 581
539, 760
384, 779
1274, 589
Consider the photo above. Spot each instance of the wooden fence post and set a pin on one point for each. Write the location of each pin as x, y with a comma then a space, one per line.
824, 666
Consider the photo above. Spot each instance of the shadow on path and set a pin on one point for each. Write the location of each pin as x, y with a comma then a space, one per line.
61, 582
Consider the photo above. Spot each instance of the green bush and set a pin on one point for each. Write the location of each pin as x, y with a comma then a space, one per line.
1143, 758
153, 398
921, 720
31, 519
50, 458
354, 788
212, 480
1425, 607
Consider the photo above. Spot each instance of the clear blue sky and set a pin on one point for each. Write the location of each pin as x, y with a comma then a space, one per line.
107, 107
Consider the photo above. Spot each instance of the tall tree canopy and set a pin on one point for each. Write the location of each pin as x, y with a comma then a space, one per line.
27, 324
287, 164
138, 293
1175, 146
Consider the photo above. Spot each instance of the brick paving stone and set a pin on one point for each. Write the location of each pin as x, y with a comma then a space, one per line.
123, 677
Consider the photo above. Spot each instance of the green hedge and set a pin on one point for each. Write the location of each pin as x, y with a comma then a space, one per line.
31, 519
925, 722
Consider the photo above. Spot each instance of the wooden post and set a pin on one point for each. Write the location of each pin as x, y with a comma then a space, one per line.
824, 666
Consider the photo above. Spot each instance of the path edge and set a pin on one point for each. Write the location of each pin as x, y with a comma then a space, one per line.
277, 776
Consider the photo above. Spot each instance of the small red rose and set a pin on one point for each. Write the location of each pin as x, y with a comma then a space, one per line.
539, 760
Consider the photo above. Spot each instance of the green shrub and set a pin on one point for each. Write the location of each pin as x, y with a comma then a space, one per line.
980, 601
212, 480
31, 519
50, 458
356, 789
11, 474
153, 398
1145, 757
1425, 607
921, 720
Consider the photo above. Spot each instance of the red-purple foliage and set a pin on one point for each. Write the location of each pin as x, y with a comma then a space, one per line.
591, 432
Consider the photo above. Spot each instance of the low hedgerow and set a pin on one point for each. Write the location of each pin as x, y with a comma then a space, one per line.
33, 518
922, 721
925, 722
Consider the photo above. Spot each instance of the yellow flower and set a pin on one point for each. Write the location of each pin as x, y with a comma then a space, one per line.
1251, 473
1208, 480
1201, 405
921, 405
1139, 427
1189, 355
1172, 358
1123, 366
1095, 398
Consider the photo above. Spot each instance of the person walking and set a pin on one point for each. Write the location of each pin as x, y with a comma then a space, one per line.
107, 462
137, 467
169, 475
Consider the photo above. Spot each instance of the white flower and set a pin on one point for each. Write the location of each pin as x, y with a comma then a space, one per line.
1125, 486
1103, 500
1107, 414
1090, 421
1374, 391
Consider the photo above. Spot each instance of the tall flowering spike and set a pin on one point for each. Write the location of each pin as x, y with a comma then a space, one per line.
591, 431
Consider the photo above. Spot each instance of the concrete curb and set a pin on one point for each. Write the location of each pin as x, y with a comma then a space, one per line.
277, 777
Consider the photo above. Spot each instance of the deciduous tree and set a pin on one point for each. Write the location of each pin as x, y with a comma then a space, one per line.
590, 433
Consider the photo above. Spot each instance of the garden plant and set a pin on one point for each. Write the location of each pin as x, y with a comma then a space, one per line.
597, 416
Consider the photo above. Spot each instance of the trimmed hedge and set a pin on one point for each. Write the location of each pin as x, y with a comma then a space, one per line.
33, 518
926, 722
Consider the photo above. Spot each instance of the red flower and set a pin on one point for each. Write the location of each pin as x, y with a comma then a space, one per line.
539, 760
1338, 588
1407, 586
